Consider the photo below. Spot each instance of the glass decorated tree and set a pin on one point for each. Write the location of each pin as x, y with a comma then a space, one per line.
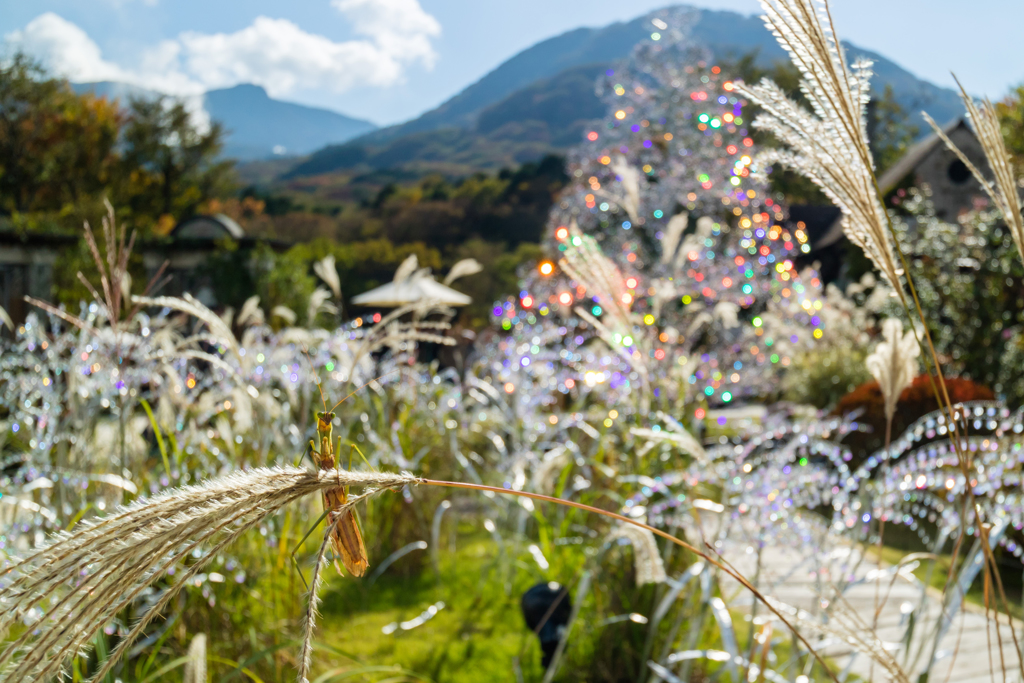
667, 245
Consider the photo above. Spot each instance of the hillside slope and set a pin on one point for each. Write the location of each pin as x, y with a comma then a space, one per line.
256, 125
539, 101
259, 126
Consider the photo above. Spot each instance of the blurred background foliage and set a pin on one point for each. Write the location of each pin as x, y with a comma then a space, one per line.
62, 154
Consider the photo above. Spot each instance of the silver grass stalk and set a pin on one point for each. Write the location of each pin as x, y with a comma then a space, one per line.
829, 145
390, 332
680, 438
113, 559
545, 476
284, 313
319, 301
673, 234
647, 562
629, 178
327, 271
464, 268
587, 265
193, 307
313, 602
405, 271
894, 363
251, 312
845, 624
1003, 191
195, 667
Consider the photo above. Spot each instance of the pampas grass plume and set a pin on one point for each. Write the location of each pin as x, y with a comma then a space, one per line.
646, 558
195, 667
828, 145
894, 363
114, 558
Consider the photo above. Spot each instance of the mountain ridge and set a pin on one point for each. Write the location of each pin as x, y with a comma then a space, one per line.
728, 35
257, 126
252, 117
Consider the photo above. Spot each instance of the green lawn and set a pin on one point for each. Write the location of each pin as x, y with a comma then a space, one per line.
478, 635
475, 637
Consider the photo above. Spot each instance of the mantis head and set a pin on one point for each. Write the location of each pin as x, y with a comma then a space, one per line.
323, 424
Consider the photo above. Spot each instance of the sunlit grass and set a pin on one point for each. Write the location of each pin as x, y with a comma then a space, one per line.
477, 636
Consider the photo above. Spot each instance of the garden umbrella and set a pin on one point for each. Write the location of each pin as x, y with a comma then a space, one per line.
421, 288
409, 286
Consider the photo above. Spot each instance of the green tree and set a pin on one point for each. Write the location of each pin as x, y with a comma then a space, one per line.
889, 132
57, 148
1011, 115
283, 280
169, 166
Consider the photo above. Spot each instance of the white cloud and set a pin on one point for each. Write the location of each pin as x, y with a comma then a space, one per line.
280, 56
400, 27
274, 53
65, 49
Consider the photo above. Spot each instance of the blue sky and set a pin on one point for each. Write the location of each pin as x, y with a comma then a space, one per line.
389, 60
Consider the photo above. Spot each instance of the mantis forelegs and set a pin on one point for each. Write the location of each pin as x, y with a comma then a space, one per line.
299, 546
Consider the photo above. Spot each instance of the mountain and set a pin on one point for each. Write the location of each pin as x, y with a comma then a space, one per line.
542, 99
113, 90
257, 126
548, 58
545, 116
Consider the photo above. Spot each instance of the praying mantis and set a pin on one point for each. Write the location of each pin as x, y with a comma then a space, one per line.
346, 539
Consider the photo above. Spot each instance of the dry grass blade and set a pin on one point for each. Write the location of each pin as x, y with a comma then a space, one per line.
190, 305
1004, 194
309, 622
114, 559
715, 560
1002, 191
845, 624
830, 145
389, 331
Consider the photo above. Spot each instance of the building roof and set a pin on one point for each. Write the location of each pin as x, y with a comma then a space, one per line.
217, 226
915, 155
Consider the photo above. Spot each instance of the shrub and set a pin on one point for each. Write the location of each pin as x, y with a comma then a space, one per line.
916, 400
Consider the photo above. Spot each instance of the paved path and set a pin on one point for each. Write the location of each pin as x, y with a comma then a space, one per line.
968, 653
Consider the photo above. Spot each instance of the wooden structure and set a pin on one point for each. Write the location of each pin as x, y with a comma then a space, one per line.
929, 162
203, 253
26, 269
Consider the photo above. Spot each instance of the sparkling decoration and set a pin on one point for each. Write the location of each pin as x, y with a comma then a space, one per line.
667, 192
